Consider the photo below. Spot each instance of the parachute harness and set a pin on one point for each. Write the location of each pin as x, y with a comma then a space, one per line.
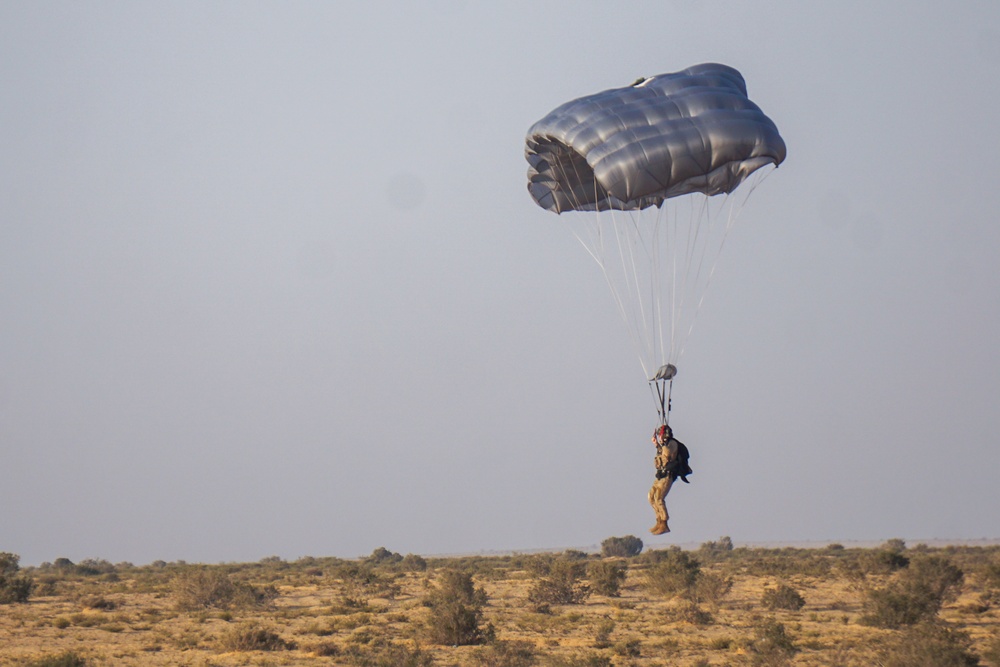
664, 391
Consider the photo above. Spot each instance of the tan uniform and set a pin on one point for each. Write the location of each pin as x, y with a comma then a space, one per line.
665, 453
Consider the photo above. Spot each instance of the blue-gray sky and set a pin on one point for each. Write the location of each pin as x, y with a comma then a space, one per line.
271, 282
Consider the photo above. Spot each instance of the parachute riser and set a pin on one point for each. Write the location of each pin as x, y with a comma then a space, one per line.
664, 397
664, 382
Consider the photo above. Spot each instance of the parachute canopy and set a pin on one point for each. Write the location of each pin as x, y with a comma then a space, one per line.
668, 135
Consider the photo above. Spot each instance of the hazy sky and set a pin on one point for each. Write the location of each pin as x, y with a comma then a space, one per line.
271, 282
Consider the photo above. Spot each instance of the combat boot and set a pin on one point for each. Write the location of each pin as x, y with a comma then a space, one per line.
659, 528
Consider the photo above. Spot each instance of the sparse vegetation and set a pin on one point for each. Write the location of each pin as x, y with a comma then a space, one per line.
915, 595
621, 547
673, 573
716, 549
253, 637
457, 611
711, 588
560, 586
662, 607
930, 645
14, 587
771, 645
782, 597
212, 588
67, 659
606, 577
506, 654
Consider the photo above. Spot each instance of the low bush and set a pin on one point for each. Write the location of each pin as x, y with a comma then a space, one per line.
456, 607
253, 637
883, 561
771, 645
607, 577
67, 659
929, 645
92, 567
710, 588
628, 648
98, 602
505, 654
583, 659
561, 586
382, 556
14, 587
688, 611
782, 597
413, 563
387, 654
602, 637
206, 589
674, 574
622, 547
718, 548
915, 595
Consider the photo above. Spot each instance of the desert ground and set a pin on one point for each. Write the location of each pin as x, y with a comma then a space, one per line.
893, 604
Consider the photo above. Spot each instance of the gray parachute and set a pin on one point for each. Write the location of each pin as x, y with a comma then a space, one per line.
668, 135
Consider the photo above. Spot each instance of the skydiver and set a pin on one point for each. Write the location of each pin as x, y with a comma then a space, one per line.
671, 462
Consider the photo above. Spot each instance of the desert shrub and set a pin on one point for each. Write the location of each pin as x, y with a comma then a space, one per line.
621, 547
894, 607
585, 659
915, 595
413, 563
538, 565
561, 586
273, 561
628, 648
67, 659
253, 637
929, 645
505, 654
720, 547
204, 589
456, 607
387, 654
607, 577
710, 588
784, 562
674, 574
325, 649
94, 566
602, 637
937, 575
98, 602
688, 611
782, 597
364, 583
721, 644
894, 544
771, 645
991, 574
14, 587
886, 559
382, 556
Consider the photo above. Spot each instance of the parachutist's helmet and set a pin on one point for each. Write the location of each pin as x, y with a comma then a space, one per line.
662, 433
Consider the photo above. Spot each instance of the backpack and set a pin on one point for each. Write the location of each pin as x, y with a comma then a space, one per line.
681, 468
